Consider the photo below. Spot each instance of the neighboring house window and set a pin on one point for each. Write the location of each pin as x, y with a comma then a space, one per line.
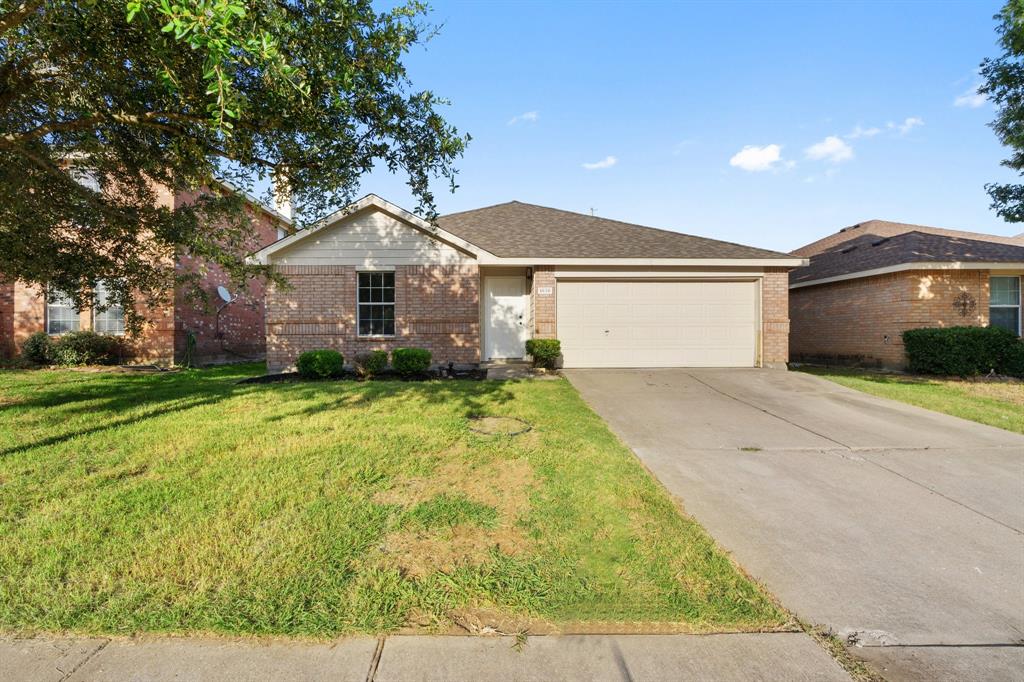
61, 314
376, 307
1004, 303
111, 320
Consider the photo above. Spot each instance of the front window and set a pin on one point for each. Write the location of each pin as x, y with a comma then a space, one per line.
111, 320
376, 306
1004, 303
61, 314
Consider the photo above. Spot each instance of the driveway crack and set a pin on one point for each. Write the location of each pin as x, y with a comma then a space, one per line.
768, 412
851, 449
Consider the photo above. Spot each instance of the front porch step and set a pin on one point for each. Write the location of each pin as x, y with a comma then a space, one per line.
505, 362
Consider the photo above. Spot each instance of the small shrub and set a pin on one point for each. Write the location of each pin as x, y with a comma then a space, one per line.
371, 363
410, 361
545, 352
964, 351
38, 349
86, 348
320, 364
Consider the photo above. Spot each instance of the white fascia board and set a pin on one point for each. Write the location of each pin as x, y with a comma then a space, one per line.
903, 267
684, 262
263, 255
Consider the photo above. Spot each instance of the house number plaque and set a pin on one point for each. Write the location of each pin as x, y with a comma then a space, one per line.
545, 291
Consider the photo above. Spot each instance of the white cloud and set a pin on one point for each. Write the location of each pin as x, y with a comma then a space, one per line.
831, 149
525, 117
907, 125
972, 99
859, 132
606, 162
756, 159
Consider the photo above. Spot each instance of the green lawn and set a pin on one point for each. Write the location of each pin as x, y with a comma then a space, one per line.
996, 403
189, 503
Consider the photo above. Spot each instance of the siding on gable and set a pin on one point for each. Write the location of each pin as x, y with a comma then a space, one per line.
371, 238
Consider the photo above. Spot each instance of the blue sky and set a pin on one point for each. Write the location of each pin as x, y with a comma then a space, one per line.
642, 111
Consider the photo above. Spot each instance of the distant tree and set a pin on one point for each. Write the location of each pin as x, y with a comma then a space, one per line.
102, 100
1003, 84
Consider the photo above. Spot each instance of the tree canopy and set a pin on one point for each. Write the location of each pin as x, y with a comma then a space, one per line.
103, 101
1003, 84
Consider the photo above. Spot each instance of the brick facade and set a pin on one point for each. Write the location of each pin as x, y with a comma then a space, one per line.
860, 321
546, 305
775, 318
437, 307
163, 337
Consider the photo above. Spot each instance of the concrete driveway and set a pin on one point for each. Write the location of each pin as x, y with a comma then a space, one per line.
900, 528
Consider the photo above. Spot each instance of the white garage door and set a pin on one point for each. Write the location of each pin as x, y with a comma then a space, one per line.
657, 324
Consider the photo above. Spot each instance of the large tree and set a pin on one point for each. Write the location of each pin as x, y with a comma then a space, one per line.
1003, 84
102, 101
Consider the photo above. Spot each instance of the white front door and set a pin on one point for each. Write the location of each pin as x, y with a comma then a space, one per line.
505, 310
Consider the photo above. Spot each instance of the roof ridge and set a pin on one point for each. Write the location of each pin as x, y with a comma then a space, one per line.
471, 210
623, 222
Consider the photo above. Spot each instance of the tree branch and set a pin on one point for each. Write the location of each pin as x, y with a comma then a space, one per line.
18, 15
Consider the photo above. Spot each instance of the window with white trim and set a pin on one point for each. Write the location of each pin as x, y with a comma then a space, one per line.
111, 320
1004, 303
61, 313
375, 309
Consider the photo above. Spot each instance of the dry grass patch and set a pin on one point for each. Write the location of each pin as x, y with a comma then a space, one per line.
189, 503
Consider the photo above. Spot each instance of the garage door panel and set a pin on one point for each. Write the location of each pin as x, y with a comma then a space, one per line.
657, 324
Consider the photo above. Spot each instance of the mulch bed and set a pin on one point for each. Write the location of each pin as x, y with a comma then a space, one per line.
448, 374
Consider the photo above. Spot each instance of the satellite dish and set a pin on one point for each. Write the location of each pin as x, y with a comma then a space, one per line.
224, 294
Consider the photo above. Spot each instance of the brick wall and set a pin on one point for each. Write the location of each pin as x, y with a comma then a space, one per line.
6, 319
544, 306
860, 321
775, 317
436, 307
238, 332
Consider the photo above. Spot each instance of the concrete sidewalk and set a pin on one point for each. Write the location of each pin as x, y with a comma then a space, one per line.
788, 656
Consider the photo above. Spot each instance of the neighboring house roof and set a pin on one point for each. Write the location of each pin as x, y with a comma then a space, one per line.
518, 230
885, 228
867, 254
517, 233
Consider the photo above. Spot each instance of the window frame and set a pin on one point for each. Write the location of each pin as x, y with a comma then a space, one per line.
1015, 306
392, 303
76, 317
101, 287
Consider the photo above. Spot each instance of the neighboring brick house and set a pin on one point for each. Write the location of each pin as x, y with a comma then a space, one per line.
476, 285
237, 333
867, 284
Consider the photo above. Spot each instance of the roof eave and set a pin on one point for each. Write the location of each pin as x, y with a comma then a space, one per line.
787, 262
917, 265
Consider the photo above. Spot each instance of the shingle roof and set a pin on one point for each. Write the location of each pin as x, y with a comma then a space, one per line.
518, 230
870, 251
885, 228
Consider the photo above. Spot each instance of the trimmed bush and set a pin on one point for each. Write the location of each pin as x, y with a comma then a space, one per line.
371, 363
320, 364
545, 352
38, 349
86, 348
410, 361
964, 351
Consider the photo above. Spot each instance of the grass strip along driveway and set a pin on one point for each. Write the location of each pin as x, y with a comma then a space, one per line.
994, 402
185, 502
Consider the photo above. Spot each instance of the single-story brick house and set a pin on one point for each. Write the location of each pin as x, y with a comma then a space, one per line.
867, 284
476, 285
233, 334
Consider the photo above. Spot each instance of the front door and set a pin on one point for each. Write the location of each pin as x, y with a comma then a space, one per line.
505, 309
